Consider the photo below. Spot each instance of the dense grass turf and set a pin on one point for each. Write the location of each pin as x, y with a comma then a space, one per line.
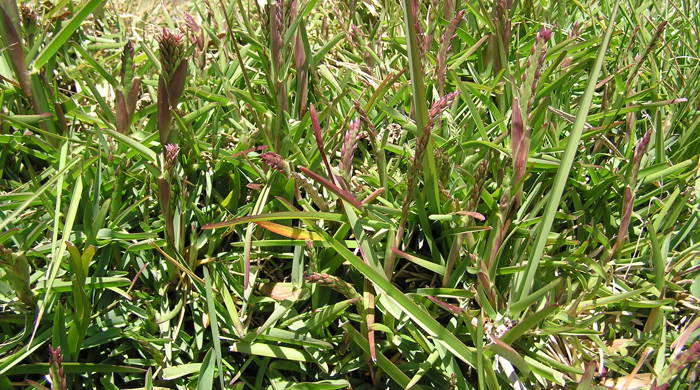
349, 194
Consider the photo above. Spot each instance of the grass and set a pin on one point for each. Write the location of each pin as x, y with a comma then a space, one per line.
331, 195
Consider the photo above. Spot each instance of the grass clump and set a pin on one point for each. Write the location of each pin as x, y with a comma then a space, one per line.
330, 195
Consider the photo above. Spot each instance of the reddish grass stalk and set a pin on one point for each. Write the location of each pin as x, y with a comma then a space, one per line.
16, 53
448, 8
691, 355
195, 32
485, 283
164, 194
640, 59
456, 310
423, 39
433, 114
510, 200
371, 129
276, 32
520, 142
373, 196
683, 337
539, 52
56, 372
639, 152
628, 197
301, 65
276, 26
445, 46
319, 141
500, 41
332, 187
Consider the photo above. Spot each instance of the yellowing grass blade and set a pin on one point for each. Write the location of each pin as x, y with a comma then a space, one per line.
289, 232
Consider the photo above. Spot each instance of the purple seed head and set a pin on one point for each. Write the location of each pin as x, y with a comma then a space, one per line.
58, 376
641, 149
445, 47
575, 30
275, 161
194, 31
299, 54
127, 69
544, 34
172, 51
315, 124
349, 145
441, 105
171, 153
55, 353
171, 82
536, 59
191, 24
276, 26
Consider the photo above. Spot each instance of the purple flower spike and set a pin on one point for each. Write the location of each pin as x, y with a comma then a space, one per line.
275, 161
544, 34
171, 153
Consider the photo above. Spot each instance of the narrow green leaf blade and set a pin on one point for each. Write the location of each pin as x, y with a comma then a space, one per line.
527, 280
62, 37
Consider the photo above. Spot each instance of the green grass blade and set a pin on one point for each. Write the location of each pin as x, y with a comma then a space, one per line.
385, 364
57, 259
527, 280
273, 351
213, 319
64, 35
150, 155
421, 317
206, 373
658, 262
524, 303
13, 216
74, 368
420, 105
